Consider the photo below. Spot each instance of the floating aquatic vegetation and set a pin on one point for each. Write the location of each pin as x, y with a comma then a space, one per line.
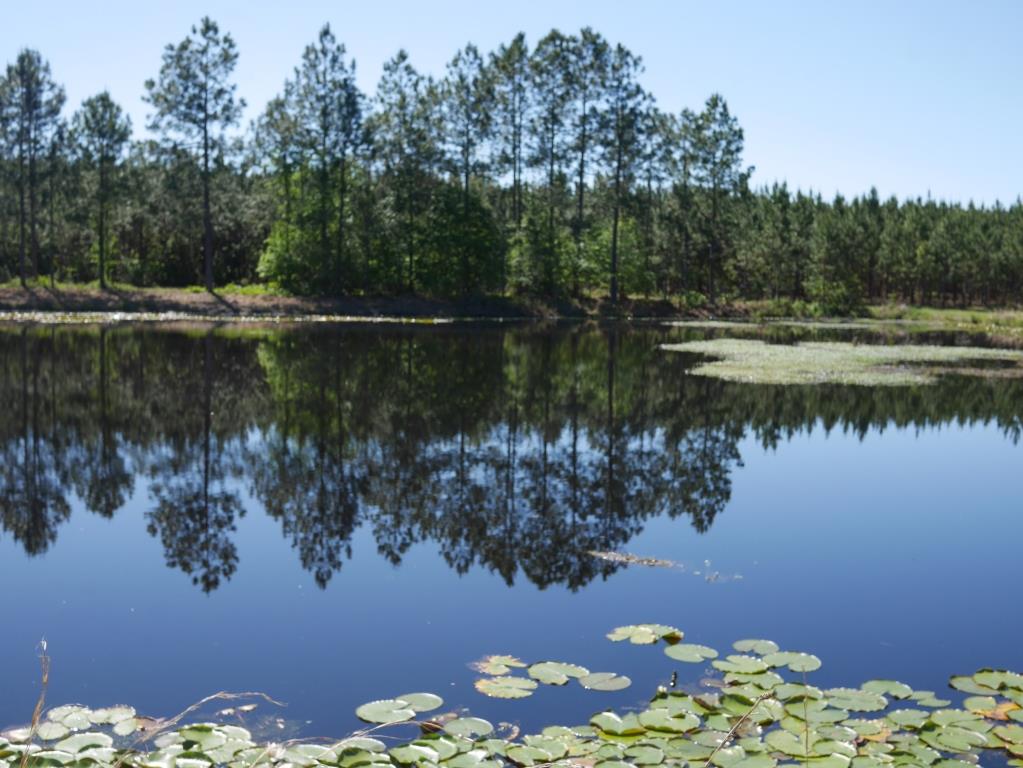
757, 362
627, 558
754, 718
645, 634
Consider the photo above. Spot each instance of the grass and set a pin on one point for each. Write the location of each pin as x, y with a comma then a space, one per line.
756, 362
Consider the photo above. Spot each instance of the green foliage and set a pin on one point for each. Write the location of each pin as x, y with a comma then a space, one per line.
735, 724
546, 171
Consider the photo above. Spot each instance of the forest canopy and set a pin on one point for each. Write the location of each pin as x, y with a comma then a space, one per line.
540, 168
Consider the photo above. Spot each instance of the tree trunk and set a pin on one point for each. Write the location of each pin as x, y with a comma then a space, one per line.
22, 221
342, 194
207, 217
102, 225
614, 223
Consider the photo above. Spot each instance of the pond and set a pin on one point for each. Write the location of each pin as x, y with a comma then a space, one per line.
338, 513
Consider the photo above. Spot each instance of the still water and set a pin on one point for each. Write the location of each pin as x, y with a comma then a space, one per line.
335, 514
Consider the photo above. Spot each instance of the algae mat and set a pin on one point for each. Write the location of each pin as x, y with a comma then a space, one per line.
756, 362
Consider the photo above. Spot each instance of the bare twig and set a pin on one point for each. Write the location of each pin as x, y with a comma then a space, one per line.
44, 666
738, 725
157, 727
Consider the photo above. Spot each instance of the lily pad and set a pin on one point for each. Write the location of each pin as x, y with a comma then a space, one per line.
414, 753
556, 672
856, 699
661, 719
498, 665
645, 634
470, 727
50, 731
421, 702
604, 681
741, 664
892, 688
690, 652
506, 687
759, 647
386, 711
908, 718
617, 725
795, 661
81, 741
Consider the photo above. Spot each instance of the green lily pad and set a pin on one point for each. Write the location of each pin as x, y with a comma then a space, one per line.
661, 719
498, 665
50, 731
1011, 733
795, 661
82, 741
556, 672
470, 727
945, 717
892, 688
617, 725
690, 652
414, 753
855, 699
741, 664
644, 754
759, 647
506, 687
604, 681
756, 761
908, 718
421, 702
645, 634
386, 711
967, 684
999, 679
126, 727
929, 699
789, 691
787, 743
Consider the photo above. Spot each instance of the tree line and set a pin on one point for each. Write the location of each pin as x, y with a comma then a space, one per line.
541, 169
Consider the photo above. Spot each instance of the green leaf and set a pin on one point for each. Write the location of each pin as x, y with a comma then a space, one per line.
556, 672
385, 711
469, 727
690, 652
892, 688
618, 725
645, 634
759, 647
856, 700
414, 753
908, 718
82, 741
498, 665
421, 702
741, 664
604, 681
506, 687
795, 661
661, 719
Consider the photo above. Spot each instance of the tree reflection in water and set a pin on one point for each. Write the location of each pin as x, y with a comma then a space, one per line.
518, 450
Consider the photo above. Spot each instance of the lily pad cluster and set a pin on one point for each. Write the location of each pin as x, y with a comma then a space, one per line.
756, 362
762, 712
506, 682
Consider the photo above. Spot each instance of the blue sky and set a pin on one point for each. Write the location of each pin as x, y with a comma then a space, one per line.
911, 96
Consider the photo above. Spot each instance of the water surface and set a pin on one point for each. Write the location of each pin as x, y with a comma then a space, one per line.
334, 514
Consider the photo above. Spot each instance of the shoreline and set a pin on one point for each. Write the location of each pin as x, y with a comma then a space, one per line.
87, 303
